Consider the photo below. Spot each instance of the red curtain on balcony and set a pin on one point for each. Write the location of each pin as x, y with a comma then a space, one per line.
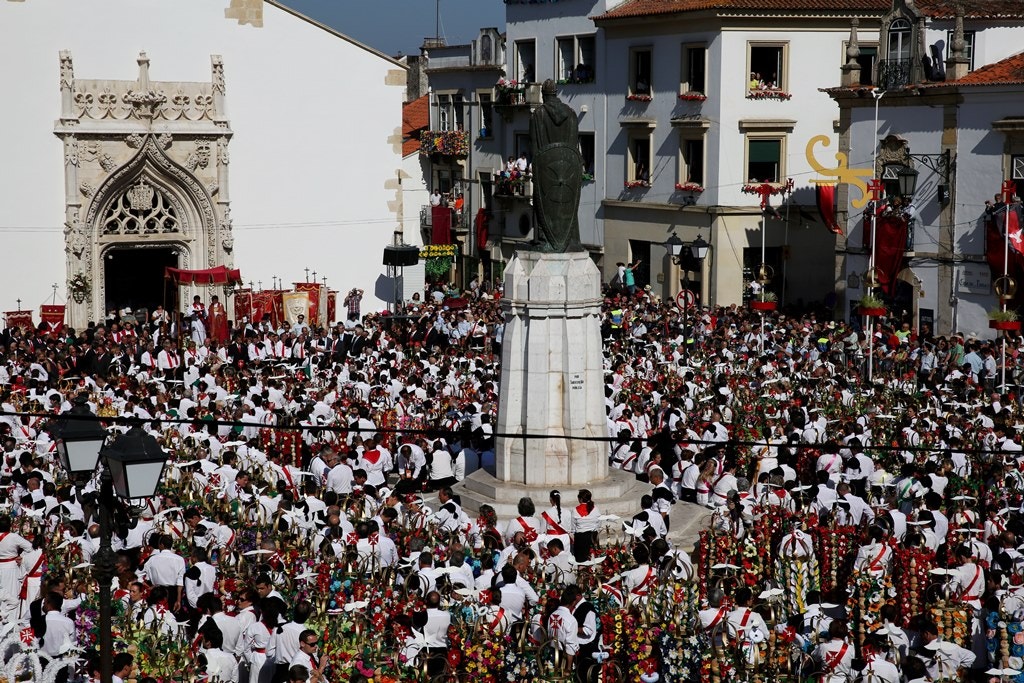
481, 229
890, 245
441, 225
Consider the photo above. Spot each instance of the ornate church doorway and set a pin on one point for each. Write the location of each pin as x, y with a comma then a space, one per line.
133, 277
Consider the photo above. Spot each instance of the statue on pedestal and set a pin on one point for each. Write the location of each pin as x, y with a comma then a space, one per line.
557, 174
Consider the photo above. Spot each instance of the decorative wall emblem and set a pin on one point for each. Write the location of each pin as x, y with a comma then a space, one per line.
87, 189
200, 157
142, 210
141, 196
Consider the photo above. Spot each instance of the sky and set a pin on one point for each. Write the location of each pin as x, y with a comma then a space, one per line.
399, 26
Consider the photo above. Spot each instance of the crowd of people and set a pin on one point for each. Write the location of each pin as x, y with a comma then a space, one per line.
307, 529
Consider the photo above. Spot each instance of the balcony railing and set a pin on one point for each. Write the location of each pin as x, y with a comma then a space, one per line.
522, 95
895, 73
460, 221
452, 143
520, 186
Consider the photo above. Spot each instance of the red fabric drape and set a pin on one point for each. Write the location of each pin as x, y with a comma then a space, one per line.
314, 300
53, 314
481, 229
221, 275
22, 319
826, 195
243, 304
332, 306
441, 220
890, 245
994, 245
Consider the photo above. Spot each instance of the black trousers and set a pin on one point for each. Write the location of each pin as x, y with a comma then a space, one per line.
582, 544
587, 668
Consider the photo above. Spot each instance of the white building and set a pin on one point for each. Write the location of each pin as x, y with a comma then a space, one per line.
307, 120
962, 134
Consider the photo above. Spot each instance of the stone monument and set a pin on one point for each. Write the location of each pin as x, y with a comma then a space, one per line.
551, 411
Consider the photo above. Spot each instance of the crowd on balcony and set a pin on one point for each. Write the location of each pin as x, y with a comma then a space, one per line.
513, 179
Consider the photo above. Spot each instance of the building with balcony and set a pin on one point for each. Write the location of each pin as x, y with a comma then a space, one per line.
460, 148
939, 120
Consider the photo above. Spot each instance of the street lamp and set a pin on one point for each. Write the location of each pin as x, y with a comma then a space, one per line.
134, 464
906, 177
697, 252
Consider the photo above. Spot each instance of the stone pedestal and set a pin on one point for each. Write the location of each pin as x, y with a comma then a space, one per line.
552, 383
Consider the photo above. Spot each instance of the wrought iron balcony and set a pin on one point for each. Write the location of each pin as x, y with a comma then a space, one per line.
894, 74
520, 187
460, 220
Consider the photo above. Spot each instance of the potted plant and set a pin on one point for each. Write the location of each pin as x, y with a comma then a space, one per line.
765, 302
1007, 320
871, 305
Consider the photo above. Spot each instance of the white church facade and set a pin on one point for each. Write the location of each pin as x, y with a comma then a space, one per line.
242, 135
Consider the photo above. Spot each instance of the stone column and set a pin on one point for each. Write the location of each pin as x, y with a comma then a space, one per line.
551, 377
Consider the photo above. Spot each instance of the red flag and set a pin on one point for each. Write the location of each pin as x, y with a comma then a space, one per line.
332, 305
826, 195
22, 319
53, 316
243, 304
1012, 226
481, 229
441, 225
890, 245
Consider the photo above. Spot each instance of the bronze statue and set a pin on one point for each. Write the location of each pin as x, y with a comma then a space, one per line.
557, 174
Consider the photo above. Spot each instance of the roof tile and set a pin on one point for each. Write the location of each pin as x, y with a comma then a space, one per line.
415, 118
1005, 72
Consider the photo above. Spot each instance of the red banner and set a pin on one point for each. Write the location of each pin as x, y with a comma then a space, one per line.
243, 304
441, 225
826, 195
890, 245
268, 302
332, 306
313, 289
481, 229
53, 316
22, 319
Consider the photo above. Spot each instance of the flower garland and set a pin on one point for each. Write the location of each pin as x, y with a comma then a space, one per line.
954, 624
639, 98
910, 571
454, 143
693, 96
834, 545
634, 184
696, 188
438, 251
768, 95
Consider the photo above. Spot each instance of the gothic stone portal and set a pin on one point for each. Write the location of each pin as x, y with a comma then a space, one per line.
145, 181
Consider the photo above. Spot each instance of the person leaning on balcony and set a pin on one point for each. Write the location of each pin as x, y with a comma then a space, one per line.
435, 198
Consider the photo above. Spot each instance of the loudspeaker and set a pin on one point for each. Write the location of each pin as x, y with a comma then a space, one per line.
401, 256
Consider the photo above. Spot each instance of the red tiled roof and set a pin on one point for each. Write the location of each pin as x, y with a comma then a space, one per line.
1005, 72
937, 9
646, 8
975, 9
415, 118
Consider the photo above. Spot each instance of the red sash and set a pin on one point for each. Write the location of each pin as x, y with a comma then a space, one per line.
717, 620
497, 620
833, 659
531, 533
966, 591
581, 510
31, 575
875, 564
553, 526
629, 461
641, 589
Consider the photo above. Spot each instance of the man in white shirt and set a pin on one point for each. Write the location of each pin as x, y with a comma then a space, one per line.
200, 578
60, 630
166, 568
220, 666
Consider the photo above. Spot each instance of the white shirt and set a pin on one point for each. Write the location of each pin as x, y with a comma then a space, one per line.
165, 568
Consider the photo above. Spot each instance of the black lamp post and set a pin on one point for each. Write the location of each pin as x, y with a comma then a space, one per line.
698, 251
907, 179
133, 464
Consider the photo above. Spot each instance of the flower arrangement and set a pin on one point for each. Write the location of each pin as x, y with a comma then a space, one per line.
765, 301
453, 143
692, 96
506, 85
634, 184
696, 188
871, 305
1000, 315
636, 97
768, 94
767, 187
438, 251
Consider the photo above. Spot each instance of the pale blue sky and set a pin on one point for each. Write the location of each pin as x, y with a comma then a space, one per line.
394, 26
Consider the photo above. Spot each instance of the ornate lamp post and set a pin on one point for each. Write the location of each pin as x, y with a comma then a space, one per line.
133, 465
698, 251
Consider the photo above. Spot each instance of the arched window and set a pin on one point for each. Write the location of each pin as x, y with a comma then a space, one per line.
899, 40
485, 49
141, 210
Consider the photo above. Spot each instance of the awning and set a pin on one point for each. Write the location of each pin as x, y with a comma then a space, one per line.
220, 275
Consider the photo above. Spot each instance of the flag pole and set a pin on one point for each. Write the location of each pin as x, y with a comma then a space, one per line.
1008, 188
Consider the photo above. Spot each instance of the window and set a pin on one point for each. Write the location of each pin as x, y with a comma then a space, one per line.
458, 112
767, 66
694, 69
639, 161
587, 152
526, 61
444, 112
574, 59
142, 209
968, 47
1017, 167
899, 41
486, 114
485, 48
868, 60
764, 160
640, 67
522, 145
691, 158
448, 180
